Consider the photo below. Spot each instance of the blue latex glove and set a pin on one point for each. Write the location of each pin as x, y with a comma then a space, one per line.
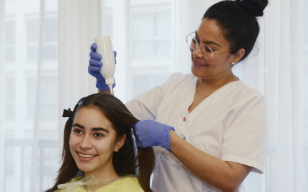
152, 133
95, 66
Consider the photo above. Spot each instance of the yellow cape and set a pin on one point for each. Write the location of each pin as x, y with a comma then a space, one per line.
126, 184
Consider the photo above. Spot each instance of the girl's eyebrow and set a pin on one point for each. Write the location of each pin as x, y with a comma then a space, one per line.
207, 42
100, 129
93, 129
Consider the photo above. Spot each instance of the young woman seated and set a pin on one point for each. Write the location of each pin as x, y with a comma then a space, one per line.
99, 149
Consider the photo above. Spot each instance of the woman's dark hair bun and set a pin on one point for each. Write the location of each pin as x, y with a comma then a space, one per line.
254, 7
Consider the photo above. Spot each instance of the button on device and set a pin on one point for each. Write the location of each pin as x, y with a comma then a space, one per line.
184, 119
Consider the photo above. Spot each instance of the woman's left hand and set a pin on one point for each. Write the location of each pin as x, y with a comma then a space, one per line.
151, 133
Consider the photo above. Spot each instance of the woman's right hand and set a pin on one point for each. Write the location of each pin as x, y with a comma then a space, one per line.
95, 66
151, 133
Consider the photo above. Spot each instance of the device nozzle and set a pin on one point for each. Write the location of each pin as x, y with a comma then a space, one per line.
111, 90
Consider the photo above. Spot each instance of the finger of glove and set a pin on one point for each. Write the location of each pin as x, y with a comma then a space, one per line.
135, 129
93, 47
95, 55
153, 133
115, 55
143, 133
140, 144
101, 84
143, 142
94, 70
139, 130
100, 78
95, 63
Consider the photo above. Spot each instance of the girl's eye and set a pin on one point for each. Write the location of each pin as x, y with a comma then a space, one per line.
98, 135
77, 131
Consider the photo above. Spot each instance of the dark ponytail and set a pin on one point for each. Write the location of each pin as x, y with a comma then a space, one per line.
237, 20
146, 159
124, 161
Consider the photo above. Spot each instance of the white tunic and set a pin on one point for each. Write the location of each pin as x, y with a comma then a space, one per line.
229, 125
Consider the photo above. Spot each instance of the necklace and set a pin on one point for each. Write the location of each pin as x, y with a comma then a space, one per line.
202, 96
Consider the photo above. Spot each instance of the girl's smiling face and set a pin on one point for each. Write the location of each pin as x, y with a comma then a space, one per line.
93, 141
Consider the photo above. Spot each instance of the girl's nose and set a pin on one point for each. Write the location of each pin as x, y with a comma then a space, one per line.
86, 142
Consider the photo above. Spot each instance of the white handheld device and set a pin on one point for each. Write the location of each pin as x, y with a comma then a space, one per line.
104, 47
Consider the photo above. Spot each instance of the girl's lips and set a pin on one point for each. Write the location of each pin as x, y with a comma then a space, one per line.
198, 65
85, 158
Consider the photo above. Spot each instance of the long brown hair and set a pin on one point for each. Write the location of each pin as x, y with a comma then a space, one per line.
124, 161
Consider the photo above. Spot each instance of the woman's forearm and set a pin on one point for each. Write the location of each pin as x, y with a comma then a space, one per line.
226, 176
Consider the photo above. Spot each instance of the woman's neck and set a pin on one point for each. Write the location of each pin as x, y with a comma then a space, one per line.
205, 85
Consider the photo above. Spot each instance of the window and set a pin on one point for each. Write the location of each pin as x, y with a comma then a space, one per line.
10, 161
32, 38
306, 72
9, 40
146, 80
151, 62
50, 38
30, 84
22, 28
9, 98
49, 98
50, 46
108, 24
306, 25
48, 95
151, 34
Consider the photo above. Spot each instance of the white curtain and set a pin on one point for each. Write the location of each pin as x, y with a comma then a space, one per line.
77, 29
2, 72
29, 94
37, 82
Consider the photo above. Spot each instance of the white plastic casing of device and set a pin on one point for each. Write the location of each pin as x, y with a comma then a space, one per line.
104, 47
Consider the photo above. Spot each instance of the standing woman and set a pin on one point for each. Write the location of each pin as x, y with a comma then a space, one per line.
207, 128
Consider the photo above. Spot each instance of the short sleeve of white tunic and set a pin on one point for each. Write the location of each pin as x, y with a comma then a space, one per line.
229, 124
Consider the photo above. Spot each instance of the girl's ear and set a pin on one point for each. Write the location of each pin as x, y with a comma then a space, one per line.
120, 142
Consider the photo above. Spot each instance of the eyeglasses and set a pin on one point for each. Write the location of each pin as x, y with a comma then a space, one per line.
205, 50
